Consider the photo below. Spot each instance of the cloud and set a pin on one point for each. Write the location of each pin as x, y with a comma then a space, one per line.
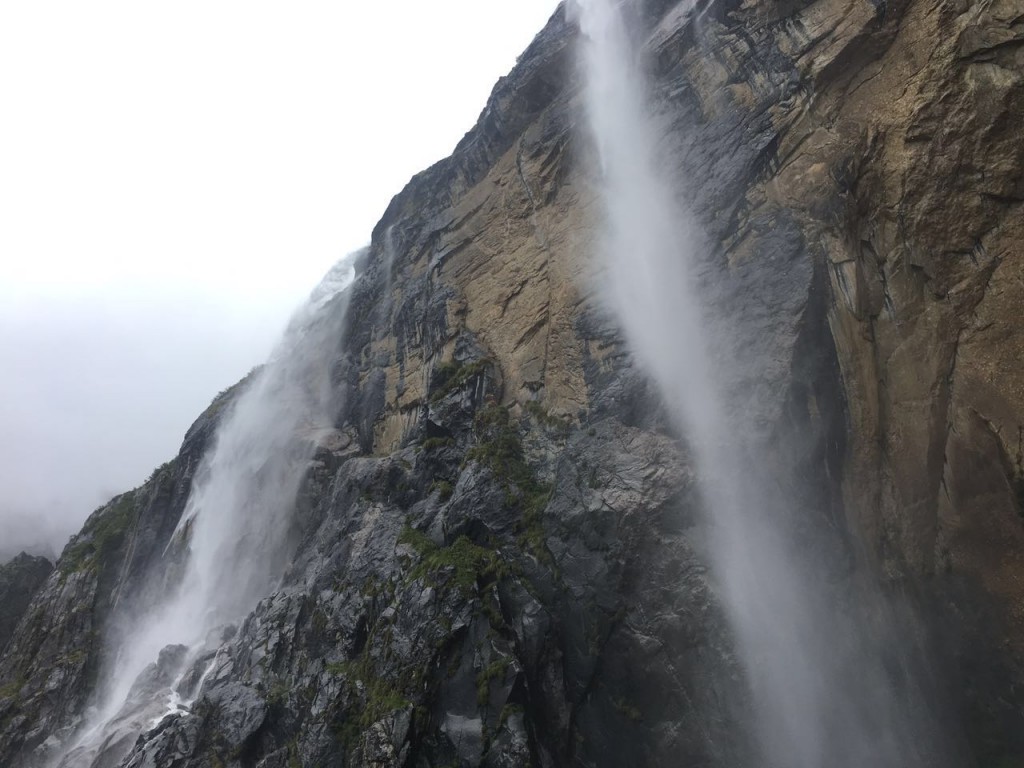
97, 394
174, 178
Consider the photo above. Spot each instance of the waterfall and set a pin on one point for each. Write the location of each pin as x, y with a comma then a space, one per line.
821, 688
237, 527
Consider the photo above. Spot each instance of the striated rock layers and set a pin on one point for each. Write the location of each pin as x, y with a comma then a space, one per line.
499, 563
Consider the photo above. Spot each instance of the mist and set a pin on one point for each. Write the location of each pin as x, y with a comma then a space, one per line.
100, 392
174, 180
237, 542
814, 655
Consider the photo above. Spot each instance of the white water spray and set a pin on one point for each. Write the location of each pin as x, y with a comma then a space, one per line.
237, 524
819, 691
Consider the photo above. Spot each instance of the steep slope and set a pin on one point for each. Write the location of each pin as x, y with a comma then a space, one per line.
499, 564
19, 580
49, 669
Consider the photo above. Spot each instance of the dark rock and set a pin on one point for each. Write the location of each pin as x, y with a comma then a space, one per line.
498, 560
20, 579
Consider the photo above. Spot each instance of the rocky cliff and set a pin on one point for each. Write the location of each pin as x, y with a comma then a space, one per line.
498, 562
20, 578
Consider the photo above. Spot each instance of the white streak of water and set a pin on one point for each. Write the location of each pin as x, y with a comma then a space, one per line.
820, 694
237, 521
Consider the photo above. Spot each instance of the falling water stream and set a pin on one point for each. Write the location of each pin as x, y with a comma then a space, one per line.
821, 691
237, 525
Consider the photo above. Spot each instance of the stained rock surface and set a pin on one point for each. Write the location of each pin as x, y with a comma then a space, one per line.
500, 562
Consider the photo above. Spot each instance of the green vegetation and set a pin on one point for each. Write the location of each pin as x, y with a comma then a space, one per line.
542, 416
158, 474
319, 620
338, 668
228, 394
432, 443
102, 537
381, 696
470, 565
381, 700
418, 540
498, 445
508, 711
443, 488
500, 449
75, 658
375, 588
496, 670
277, 696
453, 375
491, 608
12, 689
372, 695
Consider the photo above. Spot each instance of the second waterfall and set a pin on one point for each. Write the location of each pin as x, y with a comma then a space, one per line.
818, 659
237, 530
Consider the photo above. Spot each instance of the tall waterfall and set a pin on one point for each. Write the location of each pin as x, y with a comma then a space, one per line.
237, 524
819, 686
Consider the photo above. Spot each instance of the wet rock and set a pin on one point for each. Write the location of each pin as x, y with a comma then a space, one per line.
20, 579
497, 561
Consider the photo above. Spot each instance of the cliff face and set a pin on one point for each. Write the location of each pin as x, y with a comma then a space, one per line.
50, 666
19, 580
498, 564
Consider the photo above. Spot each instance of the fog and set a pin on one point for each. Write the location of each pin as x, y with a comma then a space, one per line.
239, 541
99, 393
174, 179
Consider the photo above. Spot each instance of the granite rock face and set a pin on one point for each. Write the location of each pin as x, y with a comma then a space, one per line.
500, 563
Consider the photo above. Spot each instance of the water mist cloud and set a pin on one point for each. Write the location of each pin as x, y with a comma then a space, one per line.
174, 179
99, 392
814, 653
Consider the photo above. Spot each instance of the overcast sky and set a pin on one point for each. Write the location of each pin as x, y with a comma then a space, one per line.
174, 179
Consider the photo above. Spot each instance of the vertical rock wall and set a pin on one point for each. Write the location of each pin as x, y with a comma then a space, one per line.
500, 563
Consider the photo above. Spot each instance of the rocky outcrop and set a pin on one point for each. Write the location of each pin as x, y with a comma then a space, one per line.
49, 670
498, 564
19, 581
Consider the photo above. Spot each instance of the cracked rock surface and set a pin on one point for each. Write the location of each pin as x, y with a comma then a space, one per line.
500, 561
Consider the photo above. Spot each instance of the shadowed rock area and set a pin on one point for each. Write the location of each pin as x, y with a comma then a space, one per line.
499, 562
19, 581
